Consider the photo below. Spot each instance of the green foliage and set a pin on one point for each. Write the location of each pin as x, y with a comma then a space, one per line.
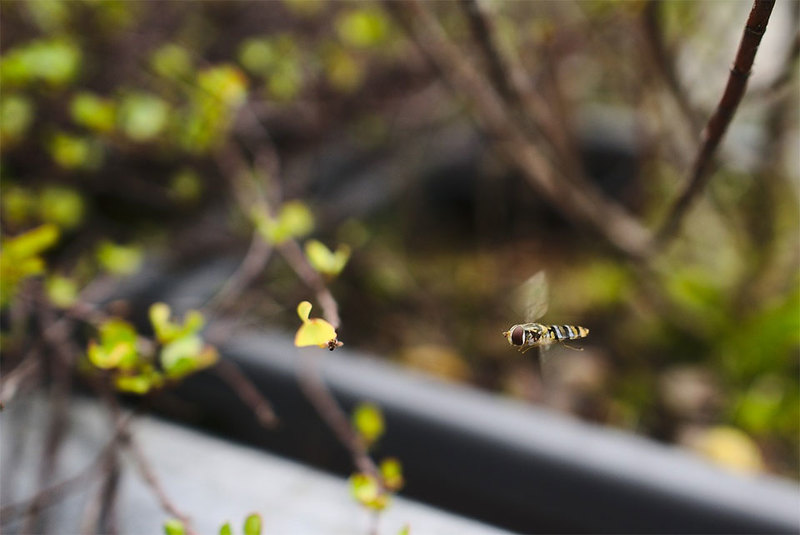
119, 259
183, 351
16, 115
368, 492
173, 526
20, 258
61, 206
278, 60
368, 422
226, 529
54, 62
172, 61
75, 152
363, 27
392, 474
93, 112
62, 291
324, 260
293, 221
117, 347
142, 116
252, 524
185, 186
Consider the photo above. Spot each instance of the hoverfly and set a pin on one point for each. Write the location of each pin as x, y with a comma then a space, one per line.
532, 303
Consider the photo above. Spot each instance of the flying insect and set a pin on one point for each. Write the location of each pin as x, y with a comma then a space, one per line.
531, 301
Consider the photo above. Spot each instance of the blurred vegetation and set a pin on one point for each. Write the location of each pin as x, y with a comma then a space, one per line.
116, 119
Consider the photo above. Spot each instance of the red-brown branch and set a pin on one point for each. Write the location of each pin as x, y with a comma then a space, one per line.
722, 117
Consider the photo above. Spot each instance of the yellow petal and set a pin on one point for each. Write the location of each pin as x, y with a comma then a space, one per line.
303, 310
315, 332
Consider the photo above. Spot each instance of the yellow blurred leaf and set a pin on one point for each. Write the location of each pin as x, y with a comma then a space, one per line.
314, 332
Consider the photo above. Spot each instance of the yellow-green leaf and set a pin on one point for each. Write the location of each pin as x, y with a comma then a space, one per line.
303, 310
119, 259
61, 291
367, 491
368, 421
252, 524
173, 526
325, 261
314, 332
392, 473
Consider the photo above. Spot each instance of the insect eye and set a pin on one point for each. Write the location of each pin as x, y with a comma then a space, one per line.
517, 336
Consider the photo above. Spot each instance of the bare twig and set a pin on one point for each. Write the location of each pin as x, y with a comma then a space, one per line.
252, 265
57, 491
583, 204
718, 124
297, 260
247, 392
334, 416
16, 378
152, 480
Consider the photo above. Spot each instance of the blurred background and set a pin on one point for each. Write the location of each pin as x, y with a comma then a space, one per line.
184, 134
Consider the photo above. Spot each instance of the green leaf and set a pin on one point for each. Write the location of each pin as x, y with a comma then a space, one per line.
294, 220
159, 318
313, 332
368, 421
74, 152
62, 291
171, 61
119, 259
93, 112
392, 474
53, 61
225, 83
252, 524
367, 491
140, 383
180, 357
143, 116
325, 261
173, 526
363, 28
226, 529
31, 243
61, 206
405, 530
16, 115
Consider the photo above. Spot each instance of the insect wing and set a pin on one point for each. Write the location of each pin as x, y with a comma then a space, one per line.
532, 297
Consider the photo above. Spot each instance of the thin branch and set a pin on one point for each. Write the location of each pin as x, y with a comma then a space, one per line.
57, 491
584, 204
247, 392
16, 378
149, 475
299, 263
721, 119
328, 408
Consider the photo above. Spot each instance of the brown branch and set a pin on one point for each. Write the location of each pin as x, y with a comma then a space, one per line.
16, 378
582, 204
299, 263
152, 480
247, 392
57, 491
721, 119
328, 408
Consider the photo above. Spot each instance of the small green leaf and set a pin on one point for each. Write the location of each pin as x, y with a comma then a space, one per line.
367, 491
31, 243
16, 115
325, 261
226, 529
74, 152
173, 526
159, 318
392, 474
405, 530
61, 291
143, 116
61, 206
303, 310
368, 421
93, 112
252, 524
140, 383
171, 61
363, 28
225, 83
179, 357
294, 221
119, 259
